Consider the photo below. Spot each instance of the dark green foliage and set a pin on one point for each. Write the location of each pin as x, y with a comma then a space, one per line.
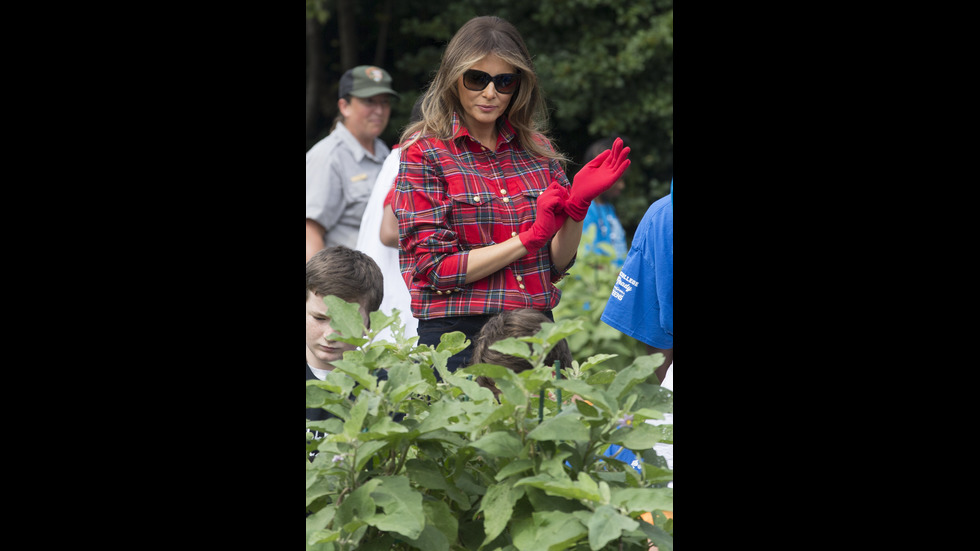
461, 471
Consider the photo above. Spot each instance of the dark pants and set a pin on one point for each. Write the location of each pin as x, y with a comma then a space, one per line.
431, 331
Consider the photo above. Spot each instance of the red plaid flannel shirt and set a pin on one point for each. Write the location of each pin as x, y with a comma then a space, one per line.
454, 196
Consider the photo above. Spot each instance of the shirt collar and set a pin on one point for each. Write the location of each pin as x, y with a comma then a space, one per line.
504, 129
355, 146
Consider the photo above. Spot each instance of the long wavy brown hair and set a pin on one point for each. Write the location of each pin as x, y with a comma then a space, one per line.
526, 112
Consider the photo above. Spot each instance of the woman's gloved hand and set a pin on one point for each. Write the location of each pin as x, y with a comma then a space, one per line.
549, 218
596, 177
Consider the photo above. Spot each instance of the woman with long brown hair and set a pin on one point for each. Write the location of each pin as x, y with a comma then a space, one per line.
487, 218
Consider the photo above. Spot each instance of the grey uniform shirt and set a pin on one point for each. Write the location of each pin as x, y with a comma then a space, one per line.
340, 175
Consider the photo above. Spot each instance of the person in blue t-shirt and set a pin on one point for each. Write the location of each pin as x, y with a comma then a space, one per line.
602, 214
641, 303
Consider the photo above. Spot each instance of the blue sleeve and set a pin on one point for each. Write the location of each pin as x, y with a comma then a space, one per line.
641, 303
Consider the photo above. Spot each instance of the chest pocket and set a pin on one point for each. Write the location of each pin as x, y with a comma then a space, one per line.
360, 185
475, 211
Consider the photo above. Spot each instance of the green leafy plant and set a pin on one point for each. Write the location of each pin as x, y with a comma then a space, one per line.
414, 463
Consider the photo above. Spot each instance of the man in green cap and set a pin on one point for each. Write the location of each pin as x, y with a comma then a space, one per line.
341, 168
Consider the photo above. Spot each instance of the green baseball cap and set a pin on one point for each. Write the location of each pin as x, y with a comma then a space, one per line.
365, 81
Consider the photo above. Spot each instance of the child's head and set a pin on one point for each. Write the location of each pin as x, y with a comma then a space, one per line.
513, 323
349, 275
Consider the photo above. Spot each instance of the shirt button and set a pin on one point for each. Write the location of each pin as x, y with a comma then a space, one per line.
513, 234
503, 191
438, 292
521, 285
476, 198
507, 199
519, 278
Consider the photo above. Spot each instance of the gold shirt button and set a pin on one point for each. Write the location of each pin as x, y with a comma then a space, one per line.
438, 292
503, 191
521, 285
513, 234
519, 278
476, 198
506, 199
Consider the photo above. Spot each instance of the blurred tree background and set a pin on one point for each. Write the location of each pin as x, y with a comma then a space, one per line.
606, 69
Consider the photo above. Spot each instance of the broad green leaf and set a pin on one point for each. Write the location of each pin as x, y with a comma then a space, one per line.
452, 342
596, 396
440, 415
438, 514
365, 403
345, 318
426, 474
660, 538
514, 467
327, 426
465, 481
643, 499
502, 412
336, 382
366, 451
319, 520
380, 320
547, 530
323, 536
567, 426
642, 369
486, 370
470, 388
399, 393
357, 506
316, 396
513, 347
643, 436
656, 475
384, 428
440, 528
555, 465
476, 416
320, 487
402, 507
512, 392
596, 360
563, 488
606, 525
586, 410
602, 377
405, 374
499, 444
353, 366
442, 435
646, 413
554, 332
498, 506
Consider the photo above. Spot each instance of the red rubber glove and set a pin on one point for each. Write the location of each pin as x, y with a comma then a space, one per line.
548, 219
596, 177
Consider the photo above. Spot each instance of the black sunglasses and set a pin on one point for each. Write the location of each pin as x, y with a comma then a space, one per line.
505, 83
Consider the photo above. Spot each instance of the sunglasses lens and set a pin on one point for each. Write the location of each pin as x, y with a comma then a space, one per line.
475, 80
505, 84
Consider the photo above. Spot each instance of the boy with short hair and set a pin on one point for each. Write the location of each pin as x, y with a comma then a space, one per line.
351, 276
